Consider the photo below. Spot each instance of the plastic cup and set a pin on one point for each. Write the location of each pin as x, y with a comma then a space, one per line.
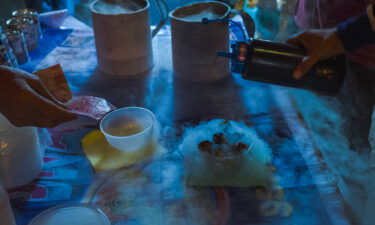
128, 129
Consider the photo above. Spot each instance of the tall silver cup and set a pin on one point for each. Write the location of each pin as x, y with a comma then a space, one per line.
122, 36
195, 44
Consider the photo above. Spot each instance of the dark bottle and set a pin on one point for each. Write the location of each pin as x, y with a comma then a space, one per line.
272, 62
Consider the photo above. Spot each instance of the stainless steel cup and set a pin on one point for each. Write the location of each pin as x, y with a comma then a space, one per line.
122, 36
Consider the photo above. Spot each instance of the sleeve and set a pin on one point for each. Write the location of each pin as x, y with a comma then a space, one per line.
371, 15
358, 32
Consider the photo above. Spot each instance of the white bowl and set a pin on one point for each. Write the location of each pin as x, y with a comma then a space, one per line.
128, 129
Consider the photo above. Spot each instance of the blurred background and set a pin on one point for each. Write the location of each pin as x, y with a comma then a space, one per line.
274, 21
272, 16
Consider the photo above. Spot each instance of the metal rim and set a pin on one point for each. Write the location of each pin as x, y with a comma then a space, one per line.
172, 16
92, 8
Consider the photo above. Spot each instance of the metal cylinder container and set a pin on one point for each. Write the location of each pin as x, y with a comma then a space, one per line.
194, 45
122, 36
31, 14
26, 26
7, 56
18, 43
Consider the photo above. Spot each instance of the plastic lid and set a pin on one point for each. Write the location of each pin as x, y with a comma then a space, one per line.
73, 214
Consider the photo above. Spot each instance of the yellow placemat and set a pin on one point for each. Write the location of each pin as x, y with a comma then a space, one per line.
104, 157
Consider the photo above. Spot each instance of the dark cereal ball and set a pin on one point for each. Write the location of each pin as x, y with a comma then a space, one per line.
269, 208
219, 138
240, 147
205, 146
225, 124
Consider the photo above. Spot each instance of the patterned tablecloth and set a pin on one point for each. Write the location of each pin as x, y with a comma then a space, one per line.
154, 192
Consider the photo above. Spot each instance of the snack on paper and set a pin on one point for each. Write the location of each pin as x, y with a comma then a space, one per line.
54, 79
90, 106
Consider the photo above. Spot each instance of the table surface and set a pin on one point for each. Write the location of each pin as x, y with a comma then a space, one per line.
155, 192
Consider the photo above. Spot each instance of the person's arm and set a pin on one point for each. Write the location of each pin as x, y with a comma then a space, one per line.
25, 101
346, 37
358, 32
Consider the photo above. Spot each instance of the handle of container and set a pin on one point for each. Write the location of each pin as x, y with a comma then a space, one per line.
247, 20
163, 12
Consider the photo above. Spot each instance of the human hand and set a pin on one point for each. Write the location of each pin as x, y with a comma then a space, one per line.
25, 101
319, 45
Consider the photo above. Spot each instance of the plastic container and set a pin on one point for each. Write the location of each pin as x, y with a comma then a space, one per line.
21, 157
221, 165
128, 129
6, 214
71, 214
228, 167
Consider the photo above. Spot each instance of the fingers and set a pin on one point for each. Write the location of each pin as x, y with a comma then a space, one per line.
27, 102
298, 39
303, 67
46, 113
38, 86
294, 40
310, 42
